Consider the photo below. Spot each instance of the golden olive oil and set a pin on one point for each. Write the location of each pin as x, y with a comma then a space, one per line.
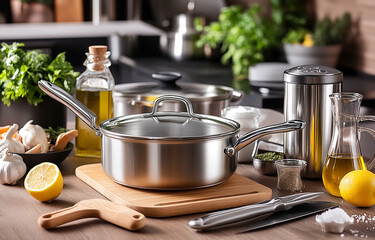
88, 144
336, 167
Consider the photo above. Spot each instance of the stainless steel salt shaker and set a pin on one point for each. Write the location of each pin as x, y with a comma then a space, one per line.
306, 97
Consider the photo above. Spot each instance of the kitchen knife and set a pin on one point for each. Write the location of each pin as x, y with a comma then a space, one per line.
298, 211
233, 215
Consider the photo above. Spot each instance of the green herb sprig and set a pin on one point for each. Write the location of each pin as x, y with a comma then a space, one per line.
52, 133
328, 32
242, 35
20, 72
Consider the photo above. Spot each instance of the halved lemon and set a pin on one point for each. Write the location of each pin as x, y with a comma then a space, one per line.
44, 182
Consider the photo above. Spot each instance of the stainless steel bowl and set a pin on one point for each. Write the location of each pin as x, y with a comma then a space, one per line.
264, 167
261, 166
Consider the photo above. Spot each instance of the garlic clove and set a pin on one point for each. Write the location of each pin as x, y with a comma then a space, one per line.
10, 143
32, 135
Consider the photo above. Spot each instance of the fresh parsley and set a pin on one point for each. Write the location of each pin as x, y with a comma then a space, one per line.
20, 72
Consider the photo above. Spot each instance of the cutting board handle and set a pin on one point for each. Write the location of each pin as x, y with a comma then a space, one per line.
95, 208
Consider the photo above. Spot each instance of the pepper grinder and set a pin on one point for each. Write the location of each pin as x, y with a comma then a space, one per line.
307, 90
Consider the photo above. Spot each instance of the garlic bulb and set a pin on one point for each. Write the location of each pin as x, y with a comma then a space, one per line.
13, 145
12, 167
33, 135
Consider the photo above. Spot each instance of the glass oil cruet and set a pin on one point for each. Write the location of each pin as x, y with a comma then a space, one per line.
344, 154
94, 89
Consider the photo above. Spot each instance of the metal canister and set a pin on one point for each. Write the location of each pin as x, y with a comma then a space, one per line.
307, 90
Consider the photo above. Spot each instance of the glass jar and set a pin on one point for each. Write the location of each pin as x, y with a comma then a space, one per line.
94, 89
248, 118
289, 173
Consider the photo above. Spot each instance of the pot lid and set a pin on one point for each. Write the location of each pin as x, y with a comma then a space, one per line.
169, 125
167, 86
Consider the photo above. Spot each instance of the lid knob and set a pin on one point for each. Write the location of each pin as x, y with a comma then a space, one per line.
167, 80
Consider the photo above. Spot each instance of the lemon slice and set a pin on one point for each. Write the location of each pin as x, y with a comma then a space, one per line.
44, 182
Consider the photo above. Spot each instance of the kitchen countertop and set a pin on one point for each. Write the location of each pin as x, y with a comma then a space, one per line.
19, 213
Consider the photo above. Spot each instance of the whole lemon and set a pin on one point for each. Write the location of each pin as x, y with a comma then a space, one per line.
358, 188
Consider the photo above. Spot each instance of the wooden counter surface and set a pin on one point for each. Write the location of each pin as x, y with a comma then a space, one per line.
19, 213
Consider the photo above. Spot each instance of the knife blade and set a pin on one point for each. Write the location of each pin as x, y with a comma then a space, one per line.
298, 211
233, 215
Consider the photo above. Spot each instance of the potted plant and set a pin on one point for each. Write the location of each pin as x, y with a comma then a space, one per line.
321, 45
31, 11
245, 37
22, 99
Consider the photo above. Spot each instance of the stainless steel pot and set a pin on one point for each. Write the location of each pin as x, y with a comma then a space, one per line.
180, 43
135, 98
167, 150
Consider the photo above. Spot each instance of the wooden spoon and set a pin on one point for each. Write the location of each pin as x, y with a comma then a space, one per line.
95, 208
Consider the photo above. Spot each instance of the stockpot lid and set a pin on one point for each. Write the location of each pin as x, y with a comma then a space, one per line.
169, 125
167, 86
312, 75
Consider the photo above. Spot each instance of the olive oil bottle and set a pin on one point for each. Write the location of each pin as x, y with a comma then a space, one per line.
336, 167
94, 89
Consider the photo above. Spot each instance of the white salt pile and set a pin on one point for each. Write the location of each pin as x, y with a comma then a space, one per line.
334, 220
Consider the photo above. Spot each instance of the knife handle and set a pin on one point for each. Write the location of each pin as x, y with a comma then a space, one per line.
233, 215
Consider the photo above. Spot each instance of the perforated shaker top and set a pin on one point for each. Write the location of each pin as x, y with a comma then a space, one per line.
313, 74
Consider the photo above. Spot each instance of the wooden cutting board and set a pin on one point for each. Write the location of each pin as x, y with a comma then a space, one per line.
236, 191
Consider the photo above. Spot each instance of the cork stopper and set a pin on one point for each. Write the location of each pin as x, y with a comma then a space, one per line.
98, 55
98, 50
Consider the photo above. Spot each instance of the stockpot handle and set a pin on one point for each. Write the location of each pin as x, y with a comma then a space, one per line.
73, 104
189, 106
237, 96
260, 132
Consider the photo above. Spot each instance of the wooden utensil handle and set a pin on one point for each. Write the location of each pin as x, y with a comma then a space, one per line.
109, 211
121, 215
57, 218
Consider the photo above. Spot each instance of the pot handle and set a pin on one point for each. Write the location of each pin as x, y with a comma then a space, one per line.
237, 96
189, 106
73, 104
260, 132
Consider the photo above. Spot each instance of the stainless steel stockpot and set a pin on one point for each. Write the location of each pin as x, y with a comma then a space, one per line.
167, 150
135, 98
